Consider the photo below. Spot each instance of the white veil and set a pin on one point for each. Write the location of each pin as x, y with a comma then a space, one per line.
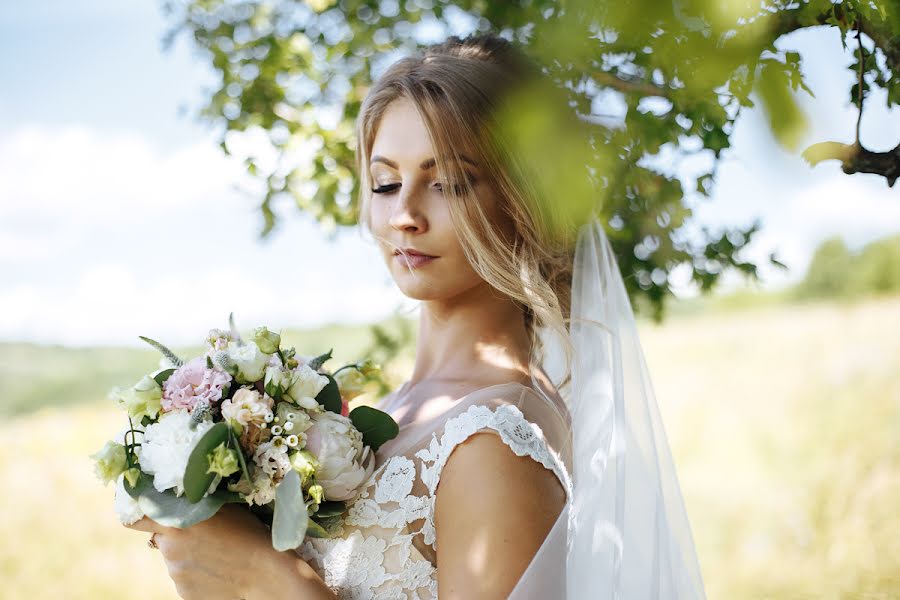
625, 534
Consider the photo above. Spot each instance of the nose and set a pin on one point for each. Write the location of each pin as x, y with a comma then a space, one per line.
407, 215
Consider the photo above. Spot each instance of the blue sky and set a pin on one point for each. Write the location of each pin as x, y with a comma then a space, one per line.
119, 217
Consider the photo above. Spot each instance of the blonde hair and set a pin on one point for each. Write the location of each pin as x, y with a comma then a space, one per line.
465, 91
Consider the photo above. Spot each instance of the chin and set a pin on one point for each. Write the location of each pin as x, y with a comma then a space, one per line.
420, 290
420, 287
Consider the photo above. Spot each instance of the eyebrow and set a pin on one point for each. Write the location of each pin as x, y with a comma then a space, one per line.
427, 164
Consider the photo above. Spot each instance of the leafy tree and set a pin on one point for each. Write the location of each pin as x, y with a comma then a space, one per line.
878, 267
829, 271
680, 72
835, 272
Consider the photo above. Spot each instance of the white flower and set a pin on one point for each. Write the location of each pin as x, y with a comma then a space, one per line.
292, 418
249, 361
263, 490
166, 447
277, 379
344, 463
272, 458
126, 507
248, 406
306, 386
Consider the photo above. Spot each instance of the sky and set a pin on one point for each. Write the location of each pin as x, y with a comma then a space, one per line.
120, 216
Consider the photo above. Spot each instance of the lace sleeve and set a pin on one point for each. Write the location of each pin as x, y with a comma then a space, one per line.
522, 436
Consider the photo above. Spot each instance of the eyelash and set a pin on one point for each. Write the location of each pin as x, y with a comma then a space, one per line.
386, 189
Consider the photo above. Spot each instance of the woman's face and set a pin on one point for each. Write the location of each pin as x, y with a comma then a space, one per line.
409, 208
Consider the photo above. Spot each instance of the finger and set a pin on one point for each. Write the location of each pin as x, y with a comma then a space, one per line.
149, 525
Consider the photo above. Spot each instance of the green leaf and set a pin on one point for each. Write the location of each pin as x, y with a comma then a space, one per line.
290, 522
228, 497
330, 396
315, 530
376, 426
162, 376
331, 508
170, 510
196, 478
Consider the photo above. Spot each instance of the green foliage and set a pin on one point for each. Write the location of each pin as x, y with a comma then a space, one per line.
376, 426
330, 396
291, 520
835, 272
682, 70
197, 477
170, 510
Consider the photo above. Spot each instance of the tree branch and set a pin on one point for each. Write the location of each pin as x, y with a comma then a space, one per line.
857, 159
799, 18
629, 86
861, 82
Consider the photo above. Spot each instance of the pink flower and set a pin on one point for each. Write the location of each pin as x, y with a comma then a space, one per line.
345, 408
192, 383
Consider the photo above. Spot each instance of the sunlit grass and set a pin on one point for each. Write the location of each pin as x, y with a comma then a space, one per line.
784, 422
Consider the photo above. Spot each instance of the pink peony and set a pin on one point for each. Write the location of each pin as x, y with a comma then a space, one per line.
191, 383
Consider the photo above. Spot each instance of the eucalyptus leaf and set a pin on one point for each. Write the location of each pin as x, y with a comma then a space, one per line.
196, 478
228, 497
290, 521
330, 396
376, 426
170, 510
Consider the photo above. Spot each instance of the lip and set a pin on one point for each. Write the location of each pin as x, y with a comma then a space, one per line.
412, 259
412, 252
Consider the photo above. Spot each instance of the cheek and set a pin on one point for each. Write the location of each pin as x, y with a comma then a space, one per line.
378, 219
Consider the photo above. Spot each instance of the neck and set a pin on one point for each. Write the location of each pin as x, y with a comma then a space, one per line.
478, 335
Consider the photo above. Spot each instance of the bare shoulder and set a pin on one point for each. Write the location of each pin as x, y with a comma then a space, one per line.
493, 510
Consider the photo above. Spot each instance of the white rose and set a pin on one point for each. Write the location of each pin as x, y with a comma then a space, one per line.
166, 447
344, 463
249, 361
278, 379
305, 387
125, 506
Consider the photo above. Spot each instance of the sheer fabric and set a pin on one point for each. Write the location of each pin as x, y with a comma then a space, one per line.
628, 535
624, 532
388, 546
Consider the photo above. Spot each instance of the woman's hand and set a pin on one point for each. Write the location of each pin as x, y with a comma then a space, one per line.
230, 556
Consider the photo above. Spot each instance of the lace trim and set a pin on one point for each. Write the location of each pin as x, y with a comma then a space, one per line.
517, 432
354, 564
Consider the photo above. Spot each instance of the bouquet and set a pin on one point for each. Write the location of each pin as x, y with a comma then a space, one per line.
249, 422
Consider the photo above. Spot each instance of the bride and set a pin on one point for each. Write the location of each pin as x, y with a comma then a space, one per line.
531, 450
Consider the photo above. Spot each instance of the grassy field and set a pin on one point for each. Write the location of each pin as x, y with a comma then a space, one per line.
784, 420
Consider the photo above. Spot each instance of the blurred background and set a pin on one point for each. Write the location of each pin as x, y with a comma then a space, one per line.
163, 164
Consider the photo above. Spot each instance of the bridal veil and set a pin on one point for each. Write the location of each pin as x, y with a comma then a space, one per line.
625, 534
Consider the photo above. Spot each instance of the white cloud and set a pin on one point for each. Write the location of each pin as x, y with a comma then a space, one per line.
78, 177
105, 237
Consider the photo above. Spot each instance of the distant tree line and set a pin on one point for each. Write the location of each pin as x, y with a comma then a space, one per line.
837, 272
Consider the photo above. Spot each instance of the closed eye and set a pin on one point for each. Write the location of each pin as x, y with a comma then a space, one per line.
385, 189
457, 188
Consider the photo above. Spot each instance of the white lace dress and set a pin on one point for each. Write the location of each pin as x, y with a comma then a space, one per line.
388, 547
